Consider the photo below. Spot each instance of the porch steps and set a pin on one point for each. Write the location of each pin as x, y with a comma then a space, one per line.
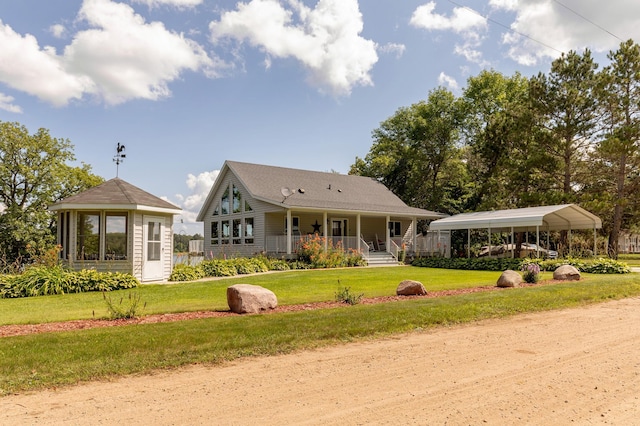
381, 258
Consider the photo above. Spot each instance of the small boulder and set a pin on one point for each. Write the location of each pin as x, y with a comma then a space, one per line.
411, 288
566, 273
250, 299
509, 278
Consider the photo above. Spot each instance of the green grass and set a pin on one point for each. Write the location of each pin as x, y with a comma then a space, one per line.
630, 259
292, 287
55, 359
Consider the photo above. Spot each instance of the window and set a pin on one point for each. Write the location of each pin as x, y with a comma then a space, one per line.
88, 236
225, 202
225, 232
215, 233
395, 229
116, 236
248, 230
247, 207
237, 200
216, 211
154, 241
295, 220
237, 231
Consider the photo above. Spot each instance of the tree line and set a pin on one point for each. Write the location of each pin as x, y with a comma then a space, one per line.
570, 135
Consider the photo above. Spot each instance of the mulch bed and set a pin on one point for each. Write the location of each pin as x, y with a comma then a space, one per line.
24, 329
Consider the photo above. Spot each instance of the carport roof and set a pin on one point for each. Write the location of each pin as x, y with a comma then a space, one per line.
552, 218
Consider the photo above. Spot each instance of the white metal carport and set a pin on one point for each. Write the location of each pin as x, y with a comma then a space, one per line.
546, 218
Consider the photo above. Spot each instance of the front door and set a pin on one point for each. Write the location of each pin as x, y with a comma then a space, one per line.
153, 250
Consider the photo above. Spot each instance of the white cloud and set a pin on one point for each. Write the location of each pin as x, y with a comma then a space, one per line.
126, 57
6, 103
58, 30
176, 3
396, 48
199, 187
40, 72
448, 81
552, 28
119, 58
462, 21
469, 25
324, 39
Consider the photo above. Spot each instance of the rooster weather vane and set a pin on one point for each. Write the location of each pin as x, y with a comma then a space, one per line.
119, 157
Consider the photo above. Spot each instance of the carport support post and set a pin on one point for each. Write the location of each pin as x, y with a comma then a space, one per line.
468, 243
489, 243
595, 247
569, 241
513, 245
538, 241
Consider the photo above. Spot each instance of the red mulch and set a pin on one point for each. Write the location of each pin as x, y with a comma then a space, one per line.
23, 329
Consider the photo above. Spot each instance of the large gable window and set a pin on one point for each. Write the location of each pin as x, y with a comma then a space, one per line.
225, 202
237, 200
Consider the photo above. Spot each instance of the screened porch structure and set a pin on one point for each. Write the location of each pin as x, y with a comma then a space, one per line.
564, 217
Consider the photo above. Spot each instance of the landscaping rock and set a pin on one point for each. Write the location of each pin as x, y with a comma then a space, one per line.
566, 273
250, 299
509, 278
411, 288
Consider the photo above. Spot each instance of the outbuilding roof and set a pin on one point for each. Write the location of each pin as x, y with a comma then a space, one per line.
312, 190
552, 218
116, 194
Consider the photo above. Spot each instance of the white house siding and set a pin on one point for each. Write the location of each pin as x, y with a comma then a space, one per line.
137, 241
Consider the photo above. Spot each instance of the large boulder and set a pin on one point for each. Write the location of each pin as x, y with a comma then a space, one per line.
250, 299
509, 278
566, 273
411, 288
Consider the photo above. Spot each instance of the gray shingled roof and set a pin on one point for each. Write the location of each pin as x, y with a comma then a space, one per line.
322, 190
115, 192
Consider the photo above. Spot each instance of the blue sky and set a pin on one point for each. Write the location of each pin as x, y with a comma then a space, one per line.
188, 84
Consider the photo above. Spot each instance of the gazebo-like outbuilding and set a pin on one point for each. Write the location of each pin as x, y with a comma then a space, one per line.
117, 227
564, 217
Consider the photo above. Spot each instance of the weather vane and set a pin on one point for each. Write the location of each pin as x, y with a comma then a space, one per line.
119, 157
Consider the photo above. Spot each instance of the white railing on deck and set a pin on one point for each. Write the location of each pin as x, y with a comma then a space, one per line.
278, 243
394, 249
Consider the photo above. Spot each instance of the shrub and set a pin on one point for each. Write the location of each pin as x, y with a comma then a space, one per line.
493, 264
119, 311
344, 295
531, 273
218, 268
183, 272
42, 281
311, 250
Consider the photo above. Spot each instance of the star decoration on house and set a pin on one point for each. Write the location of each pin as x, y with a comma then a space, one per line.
316, 227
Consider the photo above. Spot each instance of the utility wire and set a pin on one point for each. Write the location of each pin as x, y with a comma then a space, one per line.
588, 20
506, 27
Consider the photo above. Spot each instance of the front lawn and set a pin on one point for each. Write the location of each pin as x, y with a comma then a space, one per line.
54, 359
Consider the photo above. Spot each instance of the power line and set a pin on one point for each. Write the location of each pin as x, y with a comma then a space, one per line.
506, 27
588, 20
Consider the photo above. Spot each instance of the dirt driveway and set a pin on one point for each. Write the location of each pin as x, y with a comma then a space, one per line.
579, 366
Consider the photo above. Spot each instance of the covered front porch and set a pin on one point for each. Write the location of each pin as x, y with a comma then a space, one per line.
363, 233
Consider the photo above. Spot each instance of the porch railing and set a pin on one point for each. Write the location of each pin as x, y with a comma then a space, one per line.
278, 243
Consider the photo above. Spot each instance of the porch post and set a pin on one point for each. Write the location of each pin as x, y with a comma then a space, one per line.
387, 243
358, 232
414, 237
326, 231
289, 231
